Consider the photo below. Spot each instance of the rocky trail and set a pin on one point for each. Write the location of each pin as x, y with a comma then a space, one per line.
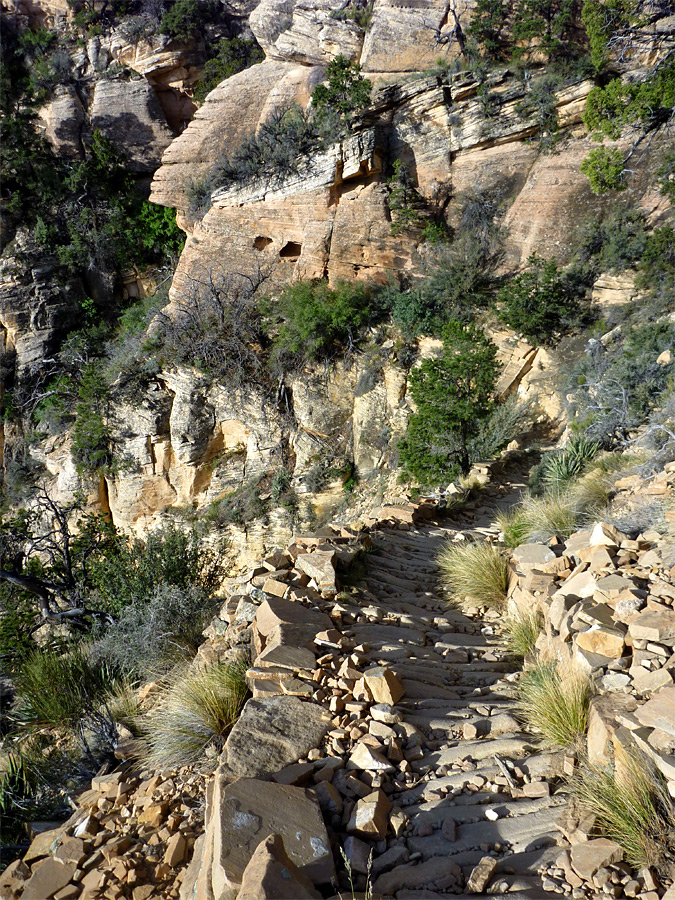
479, 785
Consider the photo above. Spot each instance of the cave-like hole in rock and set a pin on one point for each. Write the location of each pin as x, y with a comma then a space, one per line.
291, 250
261, 242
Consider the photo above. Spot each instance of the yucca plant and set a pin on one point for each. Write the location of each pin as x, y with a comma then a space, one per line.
554, 699
632, 806
522, 630
55, 690
198, 710
561, 467
478, 570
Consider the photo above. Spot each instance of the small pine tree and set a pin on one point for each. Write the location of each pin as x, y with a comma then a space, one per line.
454, 394
347, 90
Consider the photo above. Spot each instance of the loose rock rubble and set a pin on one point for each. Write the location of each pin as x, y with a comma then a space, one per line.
381, 727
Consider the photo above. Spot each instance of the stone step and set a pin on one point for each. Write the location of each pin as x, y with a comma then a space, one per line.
511, 747
526, 832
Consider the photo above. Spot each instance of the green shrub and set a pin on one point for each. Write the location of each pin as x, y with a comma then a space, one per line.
15, 798
346, 90
478, 571
632, 807
555, 699
283, 146
513, 527
540, 104
198, 711
605, 169
92, 435
234, 55
544, 26
613, 243
404, 199
240, 506
453, 394
318, 321
540, 303
185, 18
57, 690
130, 571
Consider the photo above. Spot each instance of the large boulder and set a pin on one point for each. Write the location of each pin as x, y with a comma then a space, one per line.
272, 733
246, 813
271, 875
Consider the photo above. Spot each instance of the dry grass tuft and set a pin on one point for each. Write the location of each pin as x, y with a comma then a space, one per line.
198, 710
521, 631
554, 699
478, 570
632, 807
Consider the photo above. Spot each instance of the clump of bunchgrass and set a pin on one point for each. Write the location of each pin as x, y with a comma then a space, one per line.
479, 571
554, 699
56, 690
521, 631
632, 806
513, 526
197, 711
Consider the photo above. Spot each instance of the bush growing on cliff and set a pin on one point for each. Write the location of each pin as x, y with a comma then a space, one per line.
453, 394
185, 18
540, 302
234, 55
317, 321
345, 90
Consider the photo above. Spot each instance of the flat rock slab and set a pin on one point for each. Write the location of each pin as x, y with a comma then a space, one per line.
654, 625
272, 733
387, 634
440, 874
659, 712
247, 812
277, 611
588, 857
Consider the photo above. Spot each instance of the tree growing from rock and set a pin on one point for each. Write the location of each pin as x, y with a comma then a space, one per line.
454, 395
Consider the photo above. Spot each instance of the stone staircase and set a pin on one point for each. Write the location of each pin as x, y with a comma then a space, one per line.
464, 799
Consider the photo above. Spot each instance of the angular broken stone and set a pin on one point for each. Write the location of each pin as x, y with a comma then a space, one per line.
271, 875
481, 874
276, 611
654, 625
320, 567
272, 733
247, 811
605, 641
383, 685
283, 657
371, 816
48, 877
588, 857
531, 556
659, 711
383, 712
604, 535
369, 760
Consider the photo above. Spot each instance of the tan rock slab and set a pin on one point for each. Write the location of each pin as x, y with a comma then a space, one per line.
274, 732
605, 641
48, 877
604, 535
588, 857
659, 711
320, 567
582, 585
41, 845
654, 625
246, 812
532, 556
603, 722
285, 657
176, 849
368, 760
271, 875
276, 611
445, 874
371, 816
12, 879
481, 874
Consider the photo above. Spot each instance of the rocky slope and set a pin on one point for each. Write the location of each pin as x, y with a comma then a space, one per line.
382, 723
